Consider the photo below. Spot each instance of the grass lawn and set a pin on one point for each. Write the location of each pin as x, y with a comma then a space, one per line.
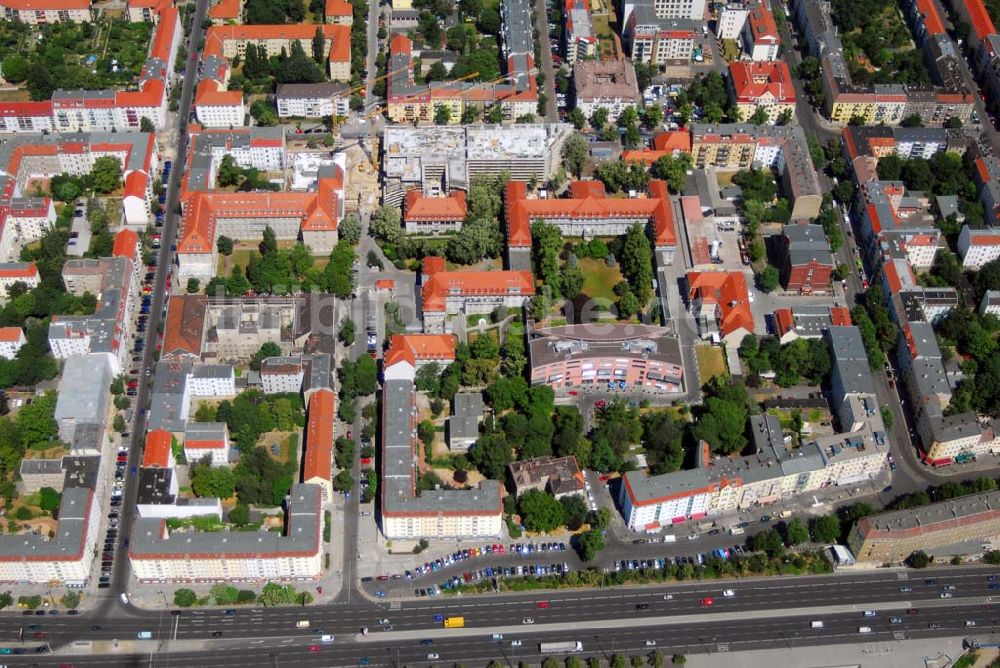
711, 363
287, 443
226, 264
729, 49
599, 280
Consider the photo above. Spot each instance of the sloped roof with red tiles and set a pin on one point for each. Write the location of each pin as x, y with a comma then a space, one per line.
415, 348
753, 80
728, 291
421, 208
840, 316
442, 284
932, 20
225, 10
587, 201
11, 334
24, 108
204, 444
136, 184
19, 270
211, 93
664, 143
126, 243
185, 325
319, 436
338, 8
157, 451
783, 321
982, 24
762, 25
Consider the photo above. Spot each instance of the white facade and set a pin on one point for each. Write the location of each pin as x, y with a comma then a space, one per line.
32, 123
278, 383
977, 247
314, 107
614, 105
40, 17
221, 115
731, 22
680, 9
212, 381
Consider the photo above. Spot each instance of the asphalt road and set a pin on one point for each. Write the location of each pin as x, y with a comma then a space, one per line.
120, 572
606, 621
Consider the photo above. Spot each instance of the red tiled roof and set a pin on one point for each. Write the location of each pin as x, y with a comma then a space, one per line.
783, 321
420, 208
665, 143
225, 10
23, 108
982, 24
30, 270
319, 436
338, 8
588, 201
840, 315
932, 20
753, 80
157, 452
211, 93
762, 25
419, 347
728, 290
340, 36
185, 324
385, 284
11, 334
126, 242
443, 284
136, 184
213, 444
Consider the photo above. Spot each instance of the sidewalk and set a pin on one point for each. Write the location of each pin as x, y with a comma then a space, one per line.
935, 653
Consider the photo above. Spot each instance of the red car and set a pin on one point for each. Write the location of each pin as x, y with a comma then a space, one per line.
543, 604
350, 434
312, 648
600, 403
366, 461
707, 601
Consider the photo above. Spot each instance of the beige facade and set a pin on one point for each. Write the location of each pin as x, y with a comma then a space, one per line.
443, 525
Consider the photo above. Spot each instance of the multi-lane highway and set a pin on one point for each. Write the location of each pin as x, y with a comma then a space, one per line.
761, 613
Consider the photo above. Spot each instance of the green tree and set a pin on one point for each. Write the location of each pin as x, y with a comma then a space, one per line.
15, 69
825, 529
193, 285
240, 515
796, 532
347, 332
224, 243
350, 229
442, 114
768, 541
673, 170
212, 481
918, 559
49, 499
106, 174
576, 152
267, 349
36, 423
318, 44
769, 279
385, 225
119, 424
275, 594
491, 454
589, 544
185, 598
540, 511
146, 125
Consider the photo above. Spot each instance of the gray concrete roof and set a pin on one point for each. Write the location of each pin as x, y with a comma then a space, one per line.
68, 543
302, 535
467, 412
923, 517
83, 389
399, 464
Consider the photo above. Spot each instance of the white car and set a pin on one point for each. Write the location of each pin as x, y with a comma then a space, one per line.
433, 655
650, 643
728, 593
515, 643
527, 620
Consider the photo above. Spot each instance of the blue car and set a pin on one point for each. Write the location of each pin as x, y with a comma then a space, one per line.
438, 618
379, 593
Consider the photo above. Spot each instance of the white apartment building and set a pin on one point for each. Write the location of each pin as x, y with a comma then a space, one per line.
731, 21
659, 41
222, 111
257, 556
27, 221
212, 380
209, 439
17, 272
65, 558
11, 340
26, 117
977, 247
281, 374
317, 100
47, 11
680, 9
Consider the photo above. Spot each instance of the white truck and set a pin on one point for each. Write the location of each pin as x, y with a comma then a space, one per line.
560, 647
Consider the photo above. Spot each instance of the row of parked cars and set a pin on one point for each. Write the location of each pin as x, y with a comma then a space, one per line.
695, 560
494, 573
522, 549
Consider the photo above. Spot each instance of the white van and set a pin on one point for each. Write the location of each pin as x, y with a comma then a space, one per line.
144, 635
816, 625
326, 638
864, 629
124, 599
735, 531
670, 538
302, 624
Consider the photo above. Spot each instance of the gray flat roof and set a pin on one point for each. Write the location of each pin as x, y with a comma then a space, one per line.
850, 362
68, 543
942, 511
83, 389
467, 411
399, 464
302, 535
